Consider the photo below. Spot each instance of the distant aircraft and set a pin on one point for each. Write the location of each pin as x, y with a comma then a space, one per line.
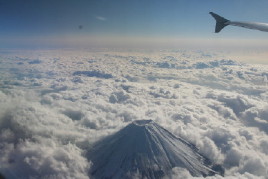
221, 22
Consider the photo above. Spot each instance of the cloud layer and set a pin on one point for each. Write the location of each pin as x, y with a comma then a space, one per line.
55, 104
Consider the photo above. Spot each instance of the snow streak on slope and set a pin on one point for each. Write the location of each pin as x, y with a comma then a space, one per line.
146, 150
55, 104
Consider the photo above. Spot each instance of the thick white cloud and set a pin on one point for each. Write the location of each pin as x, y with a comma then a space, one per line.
55, 104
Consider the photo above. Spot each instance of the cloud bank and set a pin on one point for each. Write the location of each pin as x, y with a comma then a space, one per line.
55, 104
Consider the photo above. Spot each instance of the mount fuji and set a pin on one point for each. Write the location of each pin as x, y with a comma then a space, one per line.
143, 149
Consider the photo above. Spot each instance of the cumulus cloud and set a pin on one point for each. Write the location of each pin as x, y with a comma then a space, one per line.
44, 158
55, 104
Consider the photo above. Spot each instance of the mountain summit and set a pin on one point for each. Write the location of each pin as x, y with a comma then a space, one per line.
144, 149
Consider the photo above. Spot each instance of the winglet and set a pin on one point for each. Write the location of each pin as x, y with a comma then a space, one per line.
220, 22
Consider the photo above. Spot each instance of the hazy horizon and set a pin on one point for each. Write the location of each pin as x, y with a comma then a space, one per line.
154, 24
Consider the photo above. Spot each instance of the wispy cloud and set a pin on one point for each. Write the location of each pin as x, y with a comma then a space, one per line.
101, 18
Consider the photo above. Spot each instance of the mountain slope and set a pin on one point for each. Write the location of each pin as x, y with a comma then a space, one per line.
146, 150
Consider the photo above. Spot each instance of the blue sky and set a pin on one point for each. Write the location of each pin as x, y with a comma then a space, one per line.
42, 22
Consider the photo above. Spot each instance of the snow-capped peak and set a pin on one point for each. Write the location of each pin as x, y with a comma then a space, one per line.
145, 149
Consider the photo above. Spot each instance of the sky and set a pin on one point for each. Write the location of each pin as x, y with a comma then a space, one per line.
51, 23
